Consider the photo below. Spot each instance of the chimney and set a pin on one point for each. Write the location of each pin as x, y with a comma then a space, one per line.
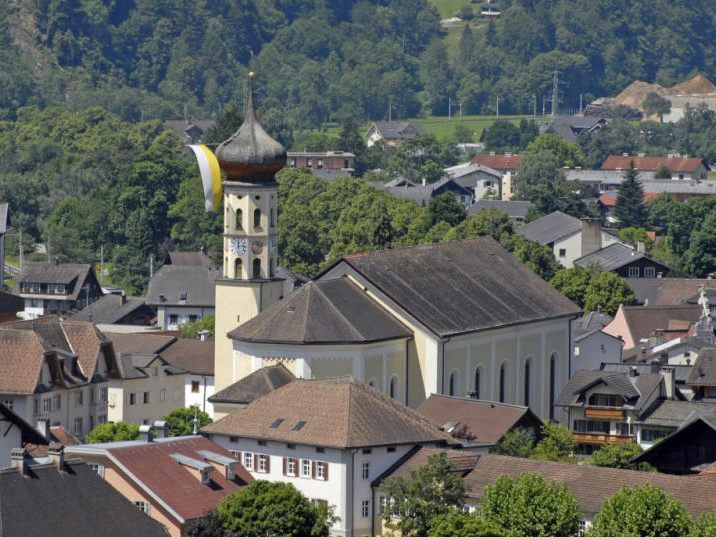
162, 429
669, 383
17, 459
43, 427
591, 235
424, 181
145, 431
122, 299
203, 335
56, 453
655, 364
633, 371
641, 247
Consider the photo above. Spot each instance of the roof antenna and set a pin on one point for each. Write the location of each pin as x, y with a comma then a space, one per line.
196, 421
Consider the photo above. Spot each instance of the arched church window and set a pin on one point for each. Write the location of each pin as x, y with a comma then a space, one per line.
393, 387
239, 219
527, 382
237, 267
477, 383
257, 269
552, 374
257, 217
503, 387
453, 385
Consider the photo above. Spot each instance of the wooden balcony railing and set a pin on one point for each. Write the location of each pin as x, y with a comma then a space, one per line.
604, 413
596, 438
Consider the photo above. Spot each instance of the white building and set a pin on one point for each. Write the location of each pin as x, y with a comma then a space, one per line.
196, 357
330, 438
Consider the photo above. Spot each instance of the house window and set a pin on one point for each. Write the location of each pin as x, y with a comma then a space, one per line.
305, 468
365, 471
8, 403
710, 392
192, 318
237, 267
47, 405
146, 398
291, 467
99, 468
591, 426
143, 506
263, 464
649, 272
606, 400
503, 386
393, 388
257, 269
562, 252
257, 217
173, 318
239, 219
57, 401
623, 429
309, 162
91, 396
633, 272
582, 528
79, 398
78, 425
249, 461
653, 435
454, 383
319, 163
36, 406
365, 508
527, 383
322, 471
194, 386
132, 399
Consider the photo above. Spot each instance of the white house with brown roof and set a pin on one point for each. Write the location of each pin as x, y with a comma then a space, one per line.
329, 438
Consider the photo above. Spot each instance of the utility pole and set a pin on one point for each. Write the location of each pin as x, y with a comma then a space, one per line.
534, 107
555, 93
390, 109
49, 248
22, 251
449, 108
543, 105
151, 266
497, 106
101, 265
580, 104
460, 109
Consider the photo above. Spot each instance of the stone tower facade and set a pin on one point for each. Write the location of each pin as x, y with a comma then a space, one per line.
249, 160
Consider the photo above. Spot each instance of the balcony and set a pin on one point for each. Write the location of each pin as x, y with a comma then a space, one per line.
598, 438
614, 414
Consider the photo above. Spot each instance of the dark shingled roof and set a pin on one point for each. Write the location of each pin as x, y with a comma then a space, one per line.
65, 273
336, 412
613, 257
172, 280
330, 311
396, 130
74, 502
668, 291
636, 390
703, 373
110, 309
190, 258
590, 321
675, 413
460, 286
513, 209
462, 460
550, 228
255, 385
681, 372
192, 355
139, 343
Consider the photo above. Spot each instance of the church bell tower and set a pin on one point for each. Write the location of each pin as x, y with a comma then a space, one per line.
249, 161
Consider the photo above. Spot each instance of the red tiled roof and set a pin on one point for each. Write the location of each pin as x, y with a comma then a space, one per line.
608, 199
21, 359
652, 164
152, 464
498, 162
85, 341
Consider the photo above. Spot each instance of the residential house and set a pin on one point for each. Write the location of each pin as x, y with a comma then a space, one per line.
422, 193
478, 424
392, 134
623, 260
65, 498
56, 288
248, 389
569, 238
329, 438
590, 485
118, 309
181, 294
389, 318
609, 407
601, 181
516, 211
4, 224
672, 291
681, 167
190, 131
570, 127
480, 180
56, 372
677, 351
196, 357
506, 165
149, 386
173, 480
681, 372
15, 433
690, 448
326, 164
592, 346
702, 377
647, 326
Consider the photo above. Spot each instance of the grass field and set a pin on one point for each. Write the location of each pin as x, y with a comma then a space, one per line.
448, 8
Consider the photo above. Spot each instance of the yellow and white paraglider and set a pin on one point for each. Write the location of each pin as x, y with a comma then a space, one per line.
210, 176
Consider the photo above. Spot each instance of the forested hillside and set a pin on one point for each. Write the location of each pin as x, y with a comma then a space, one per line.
326, 59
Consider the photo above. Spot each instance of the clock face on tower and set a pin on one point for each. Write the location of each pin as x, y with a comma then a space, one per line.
238, 246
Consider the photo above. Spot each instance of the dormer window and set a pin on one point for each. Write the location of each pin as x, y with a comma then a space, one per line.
56, 288
606, 400
182, 295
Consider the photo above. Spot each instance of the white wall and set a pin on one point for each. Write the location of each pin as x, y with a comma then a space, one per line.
573, 249
164, 314
200, 398
590, 352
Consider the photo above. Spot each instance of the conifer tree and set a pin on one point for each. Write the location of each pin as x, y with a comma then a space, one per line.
630, 209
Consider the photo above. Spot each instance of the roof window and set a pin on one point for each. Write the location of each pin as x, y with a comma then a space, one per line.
276, 423
182, 295
298, 426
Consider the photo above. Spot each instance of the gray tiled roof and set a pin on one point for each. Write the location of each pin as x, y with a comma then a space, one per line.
460, 286
329, 311
4, 217
255, 385
74, 274
681, 372
109, 309
172, 280
590, 321
609, 177
513, 209
674, 413
568, 127
550, 228
395, 130
75, 502
636, 390
612, 257
703, 372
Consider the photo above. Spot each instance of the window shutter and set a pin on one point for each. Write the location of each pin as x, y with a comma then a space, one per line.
268, 463
325, 471
285, 466
313, 470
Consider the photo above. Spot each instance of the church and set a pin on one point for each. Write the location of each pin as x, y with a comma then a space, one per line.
462, 318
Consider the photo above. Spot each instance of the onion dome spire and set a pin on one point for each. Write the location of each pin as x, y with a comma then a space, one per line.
251, 154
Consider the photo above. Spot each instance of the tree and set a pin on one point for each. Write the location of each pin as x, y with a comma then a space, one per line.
112, 432
502, 135
181, 420
540, 179
538, 257
567, 153
660, 213
572, 283
606, 292
446, 208
617, 456
191, 330
630, 210
662, 172
705, 525
656, 105
635, 235
210, 525
644, 510
701, 255
519, 442
530, 506
264, 508
462, 133
432, 490
459, 524
556, 444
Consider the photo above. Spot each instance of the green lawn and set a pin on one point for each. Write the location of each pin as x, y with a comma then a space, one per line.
448, 8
